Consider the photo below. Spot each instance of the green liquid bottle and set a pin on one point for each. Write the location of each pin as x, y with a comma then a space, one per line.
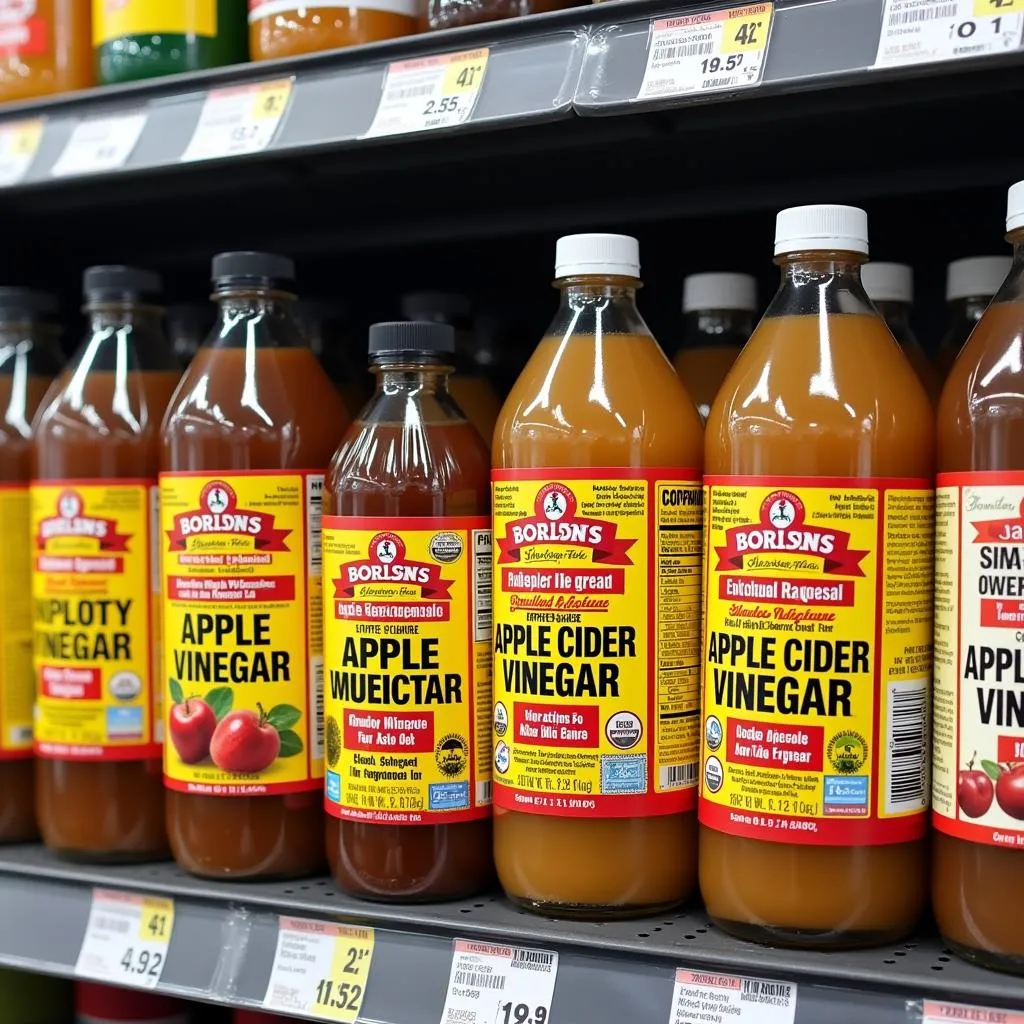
137, 39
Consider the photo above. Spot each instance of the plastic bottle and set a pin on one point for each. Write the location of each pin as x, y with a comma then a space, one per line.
244, 449
597, 525
818, 612
45, 48
890, 286
718, 316
408, 499
978, 762
970, 285
95, 606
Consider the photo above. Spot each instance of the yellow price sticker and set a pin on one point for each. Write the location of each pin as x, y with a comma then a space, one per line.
997, 7
465, 72
270, 99
23, 137
339, 996
156, 920
746, 28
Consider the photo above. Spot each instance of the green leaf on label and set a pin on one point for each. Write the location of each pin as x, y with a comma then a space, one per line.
992, 770
220, 699
291, 743
284, 716
177, 694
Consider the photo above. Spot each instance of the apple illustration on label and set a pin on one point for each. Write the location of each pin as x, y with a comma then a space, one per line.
245, 742
191, 729
974, 790
1010, 790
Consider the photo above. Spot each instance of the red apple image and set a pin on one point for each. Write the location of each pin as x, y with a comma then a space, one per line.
191, 730
1010, 791
973, 791
244, 742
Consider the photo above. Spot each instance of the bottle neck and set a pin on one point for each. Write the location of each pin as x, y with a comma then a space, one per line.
596, 305
703, 327
411, 377
123, 337
110, 316
255, 317
817, 282
894, 313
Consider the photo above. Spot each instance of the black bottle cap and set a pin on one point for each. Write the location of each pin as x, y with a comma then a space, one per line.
113, 283
229, 267
411, 336
27, 303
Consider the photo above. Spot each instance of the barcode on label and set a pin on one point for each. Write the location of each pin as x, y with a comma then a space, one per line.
906, 735
410, 91
753, 987
20, 733
477, 980
316, 685
920, 14
532, 956
678, 775
483, 792
683, 50
314, 514
482, 572
112, 924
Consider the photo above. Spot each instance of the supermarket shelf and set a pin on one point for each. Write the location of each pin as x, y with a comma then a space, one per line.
224, 939
589, 60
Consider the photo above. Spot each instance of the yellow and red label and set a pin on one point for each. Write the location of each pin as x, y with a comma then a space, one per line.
24, 31
243, 662
978, 758
817, 659
17, 679
94, 619
116, 19
596, 641
407, 619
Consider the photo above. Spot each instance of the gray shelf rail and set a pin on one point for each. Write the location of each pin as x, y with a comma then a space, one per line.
224, 938
581, 62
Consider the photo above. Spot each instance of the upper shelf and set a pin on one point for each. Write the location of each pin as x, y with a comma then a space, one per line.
224, 937
611, 58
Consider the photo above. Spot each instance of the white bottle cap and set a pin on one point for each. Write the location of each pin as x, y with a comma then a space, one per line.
610, 255
1015, 206
888, 282
821, 229
719, 291
976, 276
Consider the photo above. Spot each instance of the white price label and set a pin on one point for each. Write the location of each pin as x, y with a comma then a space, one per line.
100, 144
19, 143
943, 1013
703, 998
239, 120
706, 52
320, 969
499, 984
126, 939
431, 92
922, 31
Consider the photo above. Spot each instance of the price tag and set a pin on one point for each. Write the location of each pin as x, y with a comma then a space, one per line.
432, 92
126, 938
239, 120
499, 984
707, 52
100, 144
922, 31
702, 998
19, 142
320, 969
934, 1013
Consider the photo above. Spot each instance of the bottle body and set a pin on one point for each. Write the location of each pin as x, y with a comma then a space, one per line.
413, 467
975, 872
964, 315
246, 440
597, 415
712, 339
47, 49
140, 39
313, 27
798, 435
95, 455
29, 360
897, 318
438, 14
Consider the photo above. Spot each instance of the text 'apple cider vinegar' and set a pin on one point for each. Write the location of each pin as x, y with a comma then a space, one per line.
96, 450
818, 599
407, 632
597, 525
978, 766
244, 449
